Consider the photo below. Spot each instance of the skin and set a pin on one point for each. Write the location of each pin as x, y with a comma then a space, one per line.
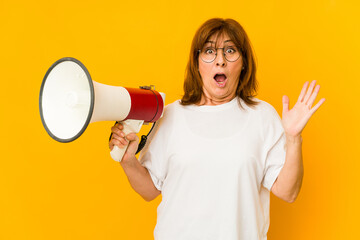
288, 184
213, 93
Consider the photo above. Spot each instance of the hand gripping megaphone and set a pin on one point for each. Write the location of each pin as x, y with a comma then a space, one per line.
69, 100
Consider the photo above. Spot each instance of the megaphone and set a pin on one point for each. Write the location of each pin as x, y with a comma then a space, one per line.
69, 100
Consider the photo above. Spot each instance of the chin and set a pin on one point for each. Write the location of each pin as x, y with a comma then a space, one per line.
222, 93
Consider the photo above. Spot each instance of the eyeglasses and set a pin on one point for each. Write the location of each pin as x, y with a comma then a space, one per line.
208, 54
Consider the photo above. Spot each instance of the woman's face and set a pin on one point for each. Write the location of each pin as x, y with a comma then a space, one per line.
220, 77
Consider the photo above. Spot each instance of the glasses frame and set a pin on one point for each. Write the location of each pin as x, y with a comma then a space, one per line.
216, 53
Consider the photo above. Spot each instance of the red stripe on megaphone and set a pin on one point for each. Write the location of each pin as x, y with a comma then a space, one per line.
146, 105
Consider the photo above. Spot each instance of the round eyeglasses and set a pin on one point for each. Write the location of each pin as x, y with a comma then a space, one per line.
208, 54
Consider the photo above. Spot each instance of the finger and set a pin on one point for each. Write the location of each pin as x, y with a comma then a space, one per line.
132, 137
119, 125
309, 91
116, 142
124, 141
313, 96
116, 136
133, 145
286, 102
121, 139
316, 107
303, 91
116, 130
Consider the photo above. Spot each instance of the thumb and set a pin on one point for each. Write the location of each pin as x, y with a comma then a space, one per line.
285, 100
133, 143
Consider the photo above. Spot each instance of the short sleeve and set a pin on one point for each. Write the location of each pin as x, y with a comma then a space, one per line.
154, 169
154, 155
274, 148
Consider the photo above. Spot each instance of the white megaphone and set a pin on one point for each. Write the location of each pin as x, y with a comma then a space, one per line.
70, 100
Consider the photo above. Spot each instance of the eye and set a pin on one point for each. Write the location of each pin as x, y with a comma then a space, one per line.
209, 51
230, 50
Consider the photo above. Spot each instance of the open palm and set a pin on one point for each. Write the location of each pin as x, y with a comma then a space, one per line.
295, 120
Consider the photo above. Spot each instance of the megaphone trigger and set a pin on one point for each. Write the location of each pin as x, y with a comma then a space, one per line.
144, 139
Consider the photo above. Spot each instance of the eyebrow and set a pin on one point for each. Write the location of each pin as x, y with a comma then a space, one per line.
215, 42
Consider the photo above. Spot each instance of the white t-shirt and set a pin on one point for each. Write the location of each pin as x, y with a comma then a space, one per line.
215, 166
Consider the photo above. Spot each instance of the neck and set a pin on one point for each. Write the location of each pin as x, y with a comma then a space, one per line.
213, 102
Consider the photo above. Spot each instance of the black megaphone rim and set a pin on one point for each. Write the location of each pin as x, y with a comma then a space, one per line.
91, 109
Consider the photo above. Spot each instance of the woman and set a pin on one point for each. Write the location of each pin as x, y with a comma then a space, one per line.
216, 154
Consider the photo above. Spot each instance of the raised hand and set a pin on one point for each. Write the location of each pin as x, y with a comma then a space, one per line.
295, 120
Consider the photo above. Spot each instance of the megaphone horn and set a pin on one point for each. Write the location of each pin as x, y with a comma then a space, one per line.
69, 100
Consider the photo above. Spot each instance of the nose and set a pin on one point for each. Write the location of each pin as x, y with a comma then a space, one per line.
220, 59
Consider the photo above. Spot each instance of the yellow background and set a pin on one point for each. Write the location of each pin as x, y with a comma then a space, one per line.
50, 190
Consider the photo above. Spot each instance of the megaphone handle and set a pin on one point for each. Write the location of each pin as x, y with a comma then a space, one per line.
129, 126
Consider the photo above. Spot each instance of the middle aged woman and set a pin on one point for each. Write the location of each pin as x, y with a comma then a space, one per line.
219, 151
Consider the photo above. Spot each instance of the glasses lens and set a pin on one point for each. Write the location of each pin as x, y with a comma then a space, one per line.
208, 54
231, 53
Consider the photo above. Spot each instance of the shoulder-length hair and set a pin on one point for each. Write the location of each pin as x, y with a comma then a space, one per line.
247, 86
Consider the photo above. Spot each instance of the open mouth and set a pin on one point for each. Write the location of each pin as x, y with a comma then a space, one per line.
220, 79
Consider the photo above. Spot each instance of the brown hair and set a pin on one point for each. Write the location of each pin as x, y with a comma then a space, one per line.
247, 86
